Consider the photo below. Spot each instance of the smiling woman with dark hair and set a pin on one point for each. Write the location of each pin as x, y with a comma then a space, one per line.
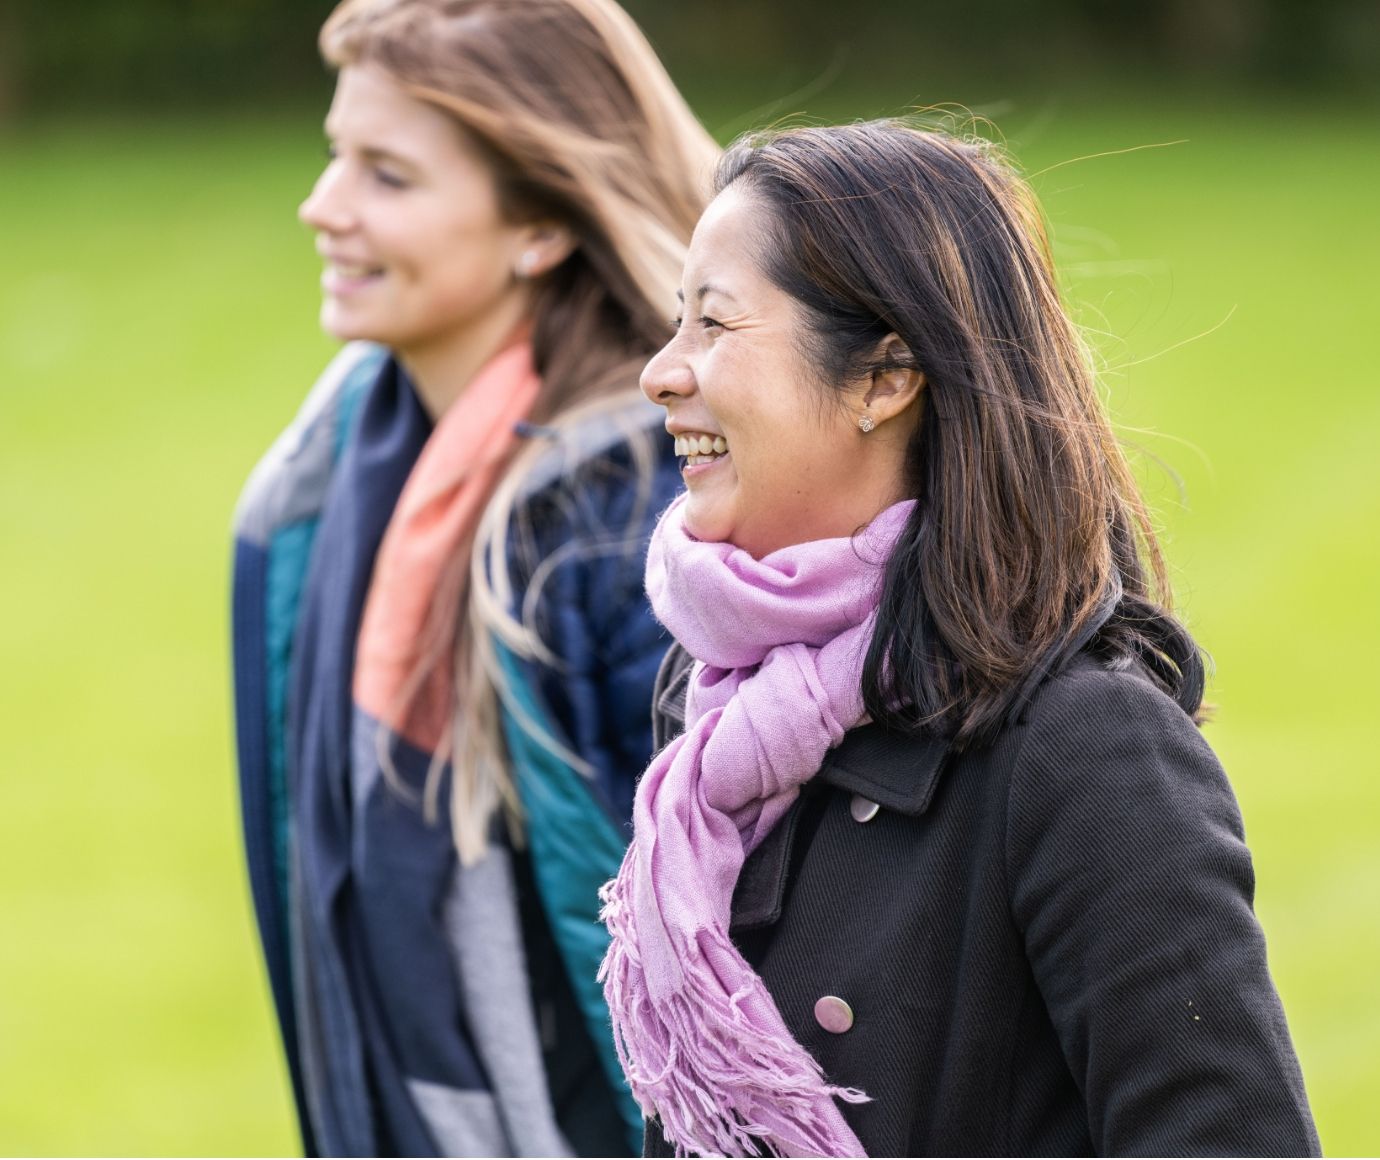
933, 859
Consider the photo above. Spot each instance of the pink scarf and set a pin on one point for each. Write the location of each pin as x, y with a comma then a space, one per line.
780, 644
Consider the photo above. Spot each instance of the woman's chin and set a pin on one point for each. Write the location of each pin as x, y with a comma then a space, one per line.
343, 326
708, 526
705, 524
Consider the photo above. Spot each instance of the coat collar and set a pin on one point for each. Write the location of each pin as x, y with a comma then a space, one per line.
896, 771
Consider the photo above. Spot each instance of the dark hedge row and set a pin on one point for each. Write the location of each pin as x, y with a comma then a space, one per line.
152, 53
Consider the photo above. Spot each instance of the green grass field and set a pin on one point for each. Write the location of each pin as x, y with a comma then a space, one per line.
157, 327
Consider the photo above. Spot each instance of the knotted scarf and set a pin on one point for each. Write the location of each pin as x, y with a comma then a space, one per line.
404, 667
780, 644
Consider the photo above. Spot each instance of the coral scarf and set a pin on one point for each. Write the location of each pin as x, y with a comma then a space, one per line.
404, 665
780, 644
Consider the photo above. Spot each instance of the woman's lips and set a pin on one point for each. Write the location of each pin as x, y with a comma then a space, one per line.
341, 278
701, 451
696, 466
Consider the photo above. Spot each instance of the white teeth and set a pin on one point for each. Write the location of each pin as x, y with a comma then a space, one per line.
346, 270
707, 446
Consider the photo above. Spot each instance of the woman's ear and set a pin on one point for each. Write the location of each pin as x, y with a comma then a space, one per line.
896, 387
542, 247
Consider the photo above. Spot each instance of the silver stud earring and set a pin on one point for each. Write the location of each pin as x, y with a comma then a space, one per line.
865, 424
527, 263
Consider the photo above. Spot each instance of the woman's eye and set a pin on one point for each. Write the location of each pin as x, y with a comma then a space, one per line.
392, 180
710, 323
675, 323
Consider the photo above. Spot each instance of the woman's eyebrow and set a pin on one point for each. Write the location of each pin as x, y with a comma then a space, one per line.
374, 153
708, 288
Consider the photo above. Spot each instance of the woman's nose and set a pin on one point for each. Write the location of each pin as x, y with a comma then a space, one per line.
326, 207
667, 375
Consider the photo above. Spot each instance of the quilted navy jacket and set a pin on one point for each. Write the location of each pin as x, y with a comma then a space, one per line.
585, 526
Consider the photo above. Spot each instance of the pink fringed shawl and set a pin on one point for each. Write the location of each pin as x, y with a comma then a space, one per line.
780, 644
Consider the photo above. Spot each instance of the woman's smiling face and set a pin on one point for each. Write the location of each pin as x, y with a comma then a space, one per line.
407, 217
796, 467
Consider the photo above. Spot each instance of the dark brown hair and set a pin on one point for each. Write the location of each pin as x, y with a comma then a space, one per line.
1029, 541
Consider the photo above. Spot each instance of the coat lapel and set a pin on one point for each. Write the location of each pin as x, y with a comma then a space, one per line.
896, 771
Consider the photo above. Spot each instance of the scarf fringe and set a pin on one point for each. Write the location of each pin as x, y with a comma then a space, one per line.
719, 1084
779, 643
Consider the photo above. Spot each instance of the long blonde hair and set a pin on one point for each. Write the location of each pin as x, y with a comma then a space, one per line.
582, 125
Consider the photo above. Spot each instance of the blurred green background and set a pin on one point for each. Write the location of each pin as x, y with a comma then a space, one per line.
158, 327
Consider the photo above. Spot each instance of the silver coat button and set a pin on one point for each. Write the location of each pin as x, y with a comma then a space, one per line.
833, 1014
863, 809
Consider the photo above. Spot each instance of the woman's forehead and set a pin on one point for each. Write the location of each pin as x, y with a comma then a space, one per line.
725, 247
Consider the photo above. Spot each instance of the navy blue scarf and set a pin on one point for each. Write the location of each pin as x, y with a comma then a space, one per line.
415, 1015
414, 1010
350, 1061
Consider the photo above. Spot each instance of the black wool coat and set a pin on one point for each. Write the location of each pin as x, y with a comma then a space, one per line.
1043, 947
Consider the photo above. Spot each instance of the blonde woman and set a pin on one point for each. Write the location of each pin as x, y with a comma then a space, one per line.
443, 655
